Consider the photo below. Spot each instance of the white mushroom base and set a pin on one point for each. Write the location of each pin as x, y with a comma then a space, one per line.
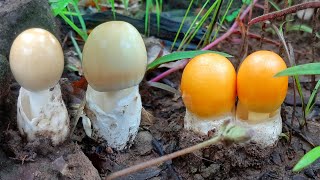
115, 116
266, 132
305, 14
51, 119
204, 125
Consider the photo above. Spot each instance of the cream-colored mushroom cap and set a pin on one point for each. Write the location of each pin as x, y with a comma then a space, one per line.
36, 59
114, 57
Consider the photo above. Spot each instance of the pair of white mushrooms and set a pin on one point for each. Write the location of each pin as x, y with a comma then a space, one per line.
114, 63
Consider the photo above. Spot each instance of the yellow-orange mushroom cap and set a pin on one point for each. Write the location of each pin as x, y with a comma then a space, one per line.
208, 85
258, 90
114, 57
36, 59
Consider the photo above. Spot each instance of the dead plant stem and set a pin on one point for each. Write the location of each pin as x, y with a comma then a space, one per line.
162, 159
285, 11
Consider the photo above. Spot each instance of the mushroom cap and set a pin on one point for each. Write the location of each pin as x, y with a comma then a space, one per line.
208, 85
257, 88
36, 59
114, 57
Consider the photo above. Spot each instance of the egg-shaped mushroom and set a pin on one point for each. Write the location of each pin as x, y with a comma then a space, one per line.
114, 63
261, 94
208, 88
37, 62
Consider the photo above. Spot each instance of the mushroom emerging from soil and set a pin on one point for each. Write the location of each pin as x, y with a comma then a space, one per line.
208, 88
306, 14
37, 62
261, 95
114, 63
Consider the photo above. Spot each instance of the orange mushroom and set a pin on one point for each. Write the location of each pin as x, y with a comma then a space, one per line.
208, 88
261, 94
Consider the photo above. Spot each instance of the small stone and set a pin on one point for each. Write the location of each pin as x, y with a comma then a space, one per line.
298, 177
275, 158
143, 142
78, 166
212, 169
198, 177
310, 173
109, 150
193, 169
60, 164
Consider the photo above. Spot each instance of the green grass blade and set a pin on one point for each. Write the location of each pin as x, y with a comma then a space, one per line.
158, 15
181, 25
312, 99
181, 55
191, 26
222, 20
58, 6
72, 68
74, 27
126, 4
69, 13
83, 25
146, 20
274, 5
212, 23
96, 2
164, 87
200, 24
301, 27
307, 159
113, 9
304, 69
76, 46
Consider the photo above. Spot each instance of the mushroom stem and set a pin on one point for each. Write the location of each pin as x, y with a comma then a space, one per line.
257, 117
37, 101
43, 114
115, 115
266, 126
204, 125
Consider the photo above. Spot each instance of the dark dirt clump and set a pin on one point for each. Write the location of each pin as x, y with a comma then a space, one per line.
39, 160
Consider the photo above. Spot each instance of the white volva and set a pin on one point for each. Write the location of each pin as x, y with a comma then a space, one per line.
266, 129
115, 115
114, 63
43, 114
204, 125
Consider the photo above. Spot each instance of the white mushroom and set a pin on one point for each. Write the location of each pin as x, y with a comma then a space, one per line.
114, 63
306, 14
37, 62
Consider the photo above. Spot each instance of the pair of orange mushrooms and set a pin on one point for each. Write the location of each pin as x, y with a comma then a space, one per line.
210, 86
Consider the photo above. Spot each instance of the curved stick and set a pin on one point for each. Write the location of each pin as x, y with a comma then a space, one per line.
285, 11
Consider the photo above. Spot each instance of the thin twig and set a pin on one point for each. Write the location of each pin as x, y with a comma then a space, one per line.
209, 46
256, 36
162, 159
285, 11
299, 133
263, 27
